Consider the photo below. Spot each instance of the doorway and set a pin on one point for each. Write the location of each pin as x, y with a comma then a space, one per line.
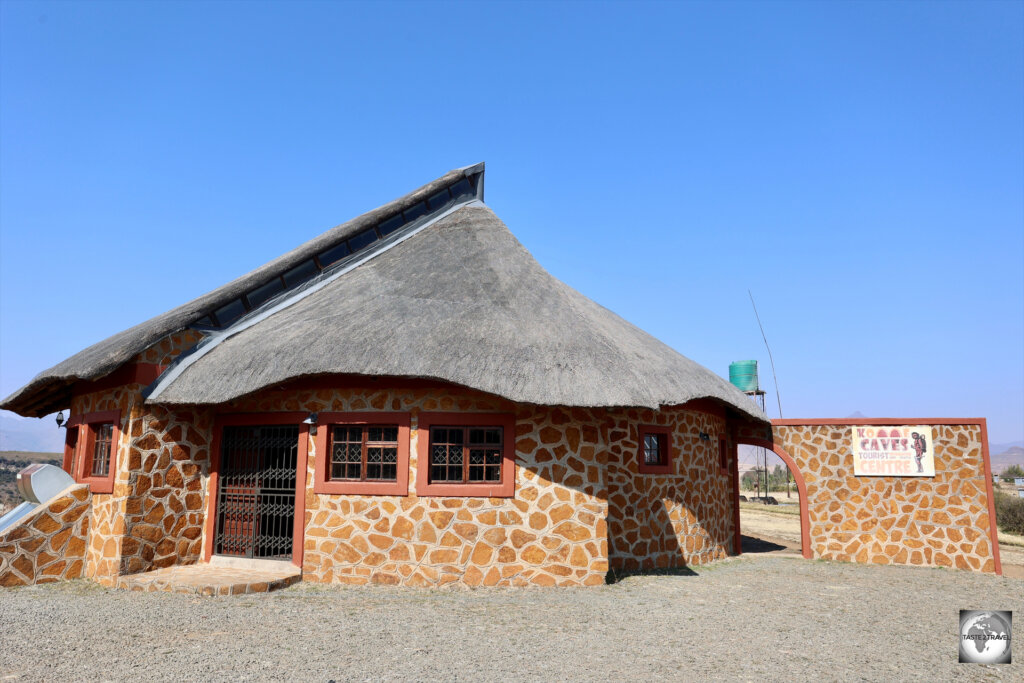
770, 524
256, 490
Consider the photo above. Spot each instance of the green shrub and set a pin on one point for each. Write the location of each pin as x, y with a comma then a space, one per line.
1010, 513
1012, 472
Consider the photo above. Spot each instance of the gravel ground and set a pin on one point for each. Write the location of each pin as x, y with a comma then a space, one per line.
748, 618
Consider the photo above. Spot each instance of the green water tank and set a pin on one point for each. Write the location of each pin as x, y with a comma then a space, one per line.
743, 375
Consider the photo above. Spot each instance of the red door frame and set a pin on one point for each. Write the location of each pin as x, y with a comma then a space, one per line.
246, 419
801, 486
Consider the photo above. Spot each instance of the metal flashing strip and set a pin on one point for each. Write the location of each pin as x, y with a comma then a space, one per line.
341, 251
182, 362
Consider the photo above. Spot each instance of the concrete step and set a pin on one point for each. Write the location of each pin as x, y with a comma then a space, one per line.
214, 579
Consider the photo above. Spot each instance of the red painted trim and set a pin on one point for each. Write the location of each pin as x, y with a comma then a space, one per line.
299, 529
881, 421
644, 430
993, 530
399, 487
242, 419
805, 518
706, 405
69, 446
507, 487
737, 540
84, 444
130, 373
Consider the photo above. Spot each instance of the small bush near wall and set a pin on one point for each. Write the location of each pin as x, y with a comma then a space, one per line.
1010, 513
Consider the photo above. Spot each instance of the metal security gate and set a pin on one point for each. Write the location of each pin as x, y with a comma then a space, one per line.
256, 491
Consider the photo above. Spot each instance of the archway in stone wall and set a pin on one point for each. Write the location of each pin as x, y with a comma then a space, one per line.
805, 535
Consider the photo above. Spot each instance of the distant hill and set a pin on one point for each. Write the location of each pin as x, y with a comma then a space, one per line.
1014, 455
19, 433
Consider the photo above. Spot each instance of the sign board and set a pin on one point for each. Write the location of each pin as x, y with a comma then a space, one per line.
1019, 482
893, 451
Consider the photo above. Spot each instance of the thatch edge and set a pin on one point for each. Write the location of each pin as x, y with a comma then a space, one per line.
103, 357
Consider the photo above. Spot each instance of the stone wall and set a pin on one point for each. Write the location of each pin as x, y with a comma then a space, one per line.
552, 533
107, 526
154, 516
170, 347
927, 521
669, 520
168, 467
50, 543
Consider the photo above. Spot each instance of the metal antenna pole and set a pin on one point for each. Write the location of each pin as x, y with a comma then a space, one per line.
770, 359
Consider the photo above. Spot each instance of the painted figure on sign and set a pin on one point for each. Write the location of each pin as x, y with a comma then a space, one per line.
920, 446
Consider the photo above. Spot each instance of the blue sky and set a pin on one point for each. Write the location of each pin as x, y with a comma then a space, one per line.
859, 166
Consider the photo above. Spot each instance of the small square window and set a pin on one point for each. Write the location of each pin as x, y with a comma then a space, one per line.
263, 293
230, 312
438, 200
654, 449
363, 239
300, 273
90, 449
334, 254
390, 225
415, 211
654, 454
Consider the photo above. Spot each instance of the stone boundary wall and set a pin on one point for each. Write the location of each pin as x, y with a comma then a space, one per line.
50, 543
942, 521
669, 520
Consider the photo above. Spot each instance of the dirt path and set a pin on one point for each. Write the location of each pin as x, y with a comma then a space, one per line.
758, 617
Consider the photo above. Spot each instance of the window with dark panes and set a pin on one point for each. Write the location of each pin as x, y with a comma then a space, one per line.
364, 453
465, 454
103, 435
654, 449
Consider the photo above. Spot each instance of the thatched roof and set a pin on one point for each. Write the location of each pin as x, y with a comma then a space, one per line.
460, 300
50, 390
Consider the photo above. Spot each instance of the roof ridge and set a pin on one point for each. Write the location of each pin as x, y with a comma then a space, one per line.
50, 390
272, 306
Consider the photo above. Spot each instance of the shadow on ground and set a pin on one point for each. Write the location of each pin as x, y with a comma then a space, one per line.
760, 544
616, 575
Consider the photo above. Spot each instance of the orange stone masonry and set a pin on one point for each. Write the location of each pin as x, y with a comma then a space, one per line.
942, 521
669, 520
170, 347
580, 506
154, 516
552, 533
49, 544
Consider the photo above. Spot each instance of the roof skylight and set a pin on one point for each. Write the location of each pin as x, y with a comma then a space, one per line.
465, 189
